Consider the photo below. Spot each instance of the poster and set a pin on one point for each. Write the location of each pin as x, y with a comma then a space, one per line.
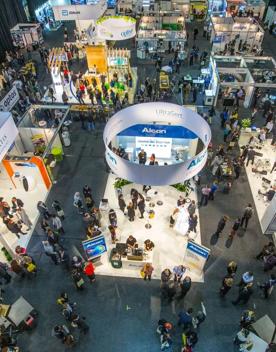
94, 247
196, 256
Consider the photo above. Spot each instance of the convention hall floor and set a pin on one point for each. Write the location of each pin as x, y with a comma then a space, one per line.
123, 312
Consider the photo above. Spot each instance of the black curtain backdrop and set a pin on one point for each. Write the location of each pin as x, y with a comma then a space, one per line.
11, 13
33, 5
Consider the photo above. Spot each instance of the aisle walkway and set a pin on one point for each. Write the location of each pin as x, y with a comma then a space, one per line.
122, 313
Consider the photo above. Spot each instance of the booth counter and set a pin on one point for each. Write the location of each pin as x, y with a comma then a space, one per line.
261, 178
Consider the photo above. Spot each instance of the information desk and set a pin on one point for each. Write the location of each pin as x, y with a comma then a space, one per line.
130, 259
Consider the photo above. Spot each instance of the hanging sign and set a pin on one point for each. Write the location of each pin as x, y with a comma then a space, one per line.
8, 102
196, 256
79, 12
152, 115
8, 133
116, 27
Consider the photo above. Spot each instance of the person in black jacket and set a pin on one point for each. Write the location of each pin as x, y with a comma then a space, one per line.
141, 205
122, 203
221, 225
134, 197
130, 211
235, 228
16, 203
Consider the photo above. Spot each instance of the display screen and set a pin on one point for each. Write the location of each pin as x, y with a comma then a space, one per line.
95, 247
161, 147
78, 2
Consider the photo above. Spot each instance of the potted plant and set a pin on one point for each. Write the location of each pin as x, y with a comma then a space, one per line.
246, 123
183, 187
119, 184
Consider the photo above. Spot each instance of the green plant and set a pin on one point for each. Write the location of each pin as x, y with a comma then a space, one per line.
183, 187
120, 182
245, 123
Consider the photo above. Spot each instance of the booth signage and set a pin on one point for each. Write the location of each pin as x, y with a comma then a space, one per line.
116, 28
145, 116
8, 102
8, 133
196, 256
94, 247
162, 131
79, 12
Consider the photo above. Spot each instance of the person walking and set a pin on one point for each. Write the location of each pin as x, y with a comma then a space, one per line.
4, 273
185, 319
192, 223
78, 322
185, 286
205, 191
232, 268
50, 252
89, 271
267, 286
43, 209
213, 190
221, 225
147, 270
130, 211
227, 283
141, 205
235, 228
121, 202
57, 224
244, 295
58, 209
247, 278
192, 208
247, 214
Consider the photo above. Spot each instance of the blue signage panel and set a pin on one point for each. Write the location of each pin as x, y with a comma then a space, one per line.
160, 131
94, 247
199, 250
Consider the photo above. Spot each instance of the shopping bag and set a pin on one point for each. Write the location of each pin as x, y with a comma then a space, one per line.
142, 273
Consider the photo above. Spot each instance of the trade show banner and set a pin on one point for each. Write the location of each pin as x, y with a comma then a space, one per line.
80, 12
150, 114
196, 256
8, 133
116, 27
8, 102
94, 247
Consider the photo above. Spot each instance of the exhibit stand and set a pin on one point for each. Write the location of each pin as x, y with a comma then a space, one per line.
26, 35
261, 179
256, 8
270, 17
227, 74
116, 28
169, 242
217, 7
29, 163
45, 16
158, 34
237, 35
198, 10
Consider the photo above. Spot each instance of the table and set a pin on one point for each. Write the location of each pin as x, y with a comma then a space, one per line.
137, 264
19, 311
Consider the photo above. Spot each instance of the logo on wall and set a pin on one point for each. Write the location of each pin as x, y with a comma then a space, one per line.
152, 130
9, 100
64, 12
127, 33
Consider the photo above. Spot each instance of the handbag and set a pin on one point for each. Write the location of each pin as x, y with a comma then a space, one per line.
60, 213
142, 273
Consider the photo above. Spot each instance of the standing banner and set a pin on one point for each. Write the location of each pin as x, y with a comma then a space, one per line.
94, 247
196, 256
8, 102
8, 133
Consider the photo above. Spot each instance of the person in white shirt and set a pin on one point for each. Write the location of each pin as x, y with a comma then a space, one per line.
57, 224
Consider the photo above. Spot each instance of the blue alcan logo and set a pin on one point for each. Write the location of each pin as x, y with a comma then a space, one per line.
112, 159
196, 161
127, 33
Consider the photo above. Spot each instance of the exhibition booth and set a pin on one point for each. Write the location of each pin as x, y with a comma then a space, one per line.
236, 36
198, 10
162, 236
29, 162
26, 35
116, 28
262, 179
270, 17
110, 67
256, 8
228, 74
158, 34
45, 16
217, 7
